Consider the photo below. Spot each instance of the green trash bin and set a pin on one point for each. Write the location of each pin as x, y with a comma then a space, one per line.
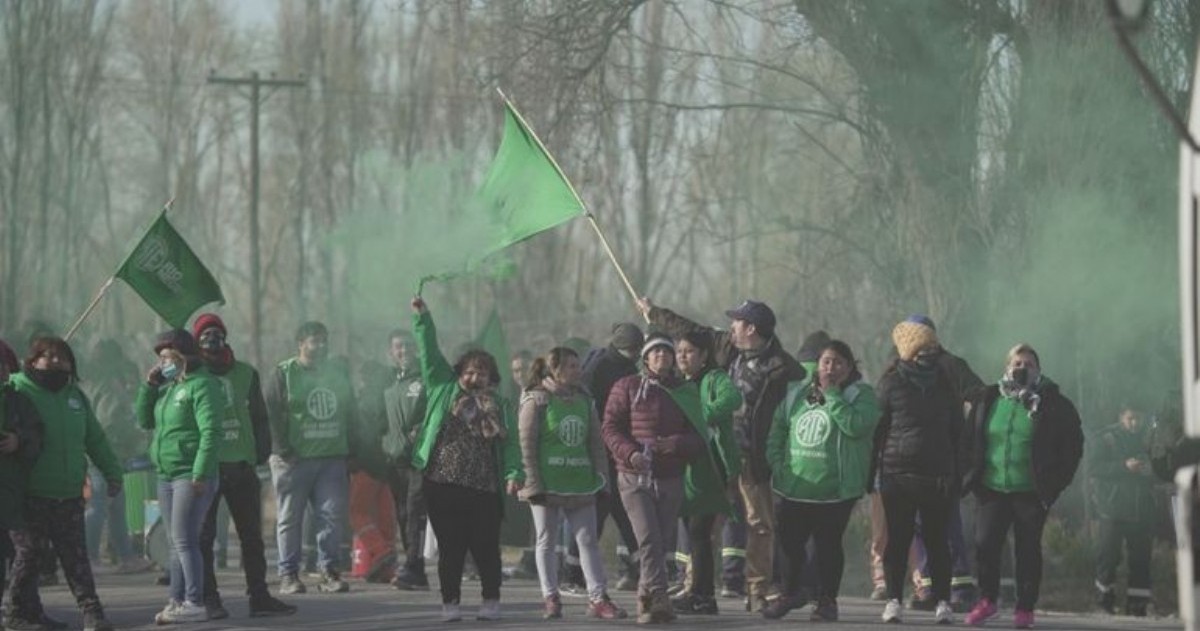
141, 485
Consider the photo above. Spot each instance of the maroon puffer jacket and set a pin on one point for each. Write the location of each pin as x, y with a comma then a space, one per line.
642, 410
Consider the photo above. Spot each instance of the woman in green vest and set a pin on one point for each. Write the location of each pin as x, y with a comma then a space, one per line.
54, 503
819, 449
467, 452
184, 405
708, 477
563, 457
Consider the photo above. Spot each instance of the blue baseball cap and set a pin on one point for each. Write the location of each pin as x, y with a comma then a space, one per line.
756, 313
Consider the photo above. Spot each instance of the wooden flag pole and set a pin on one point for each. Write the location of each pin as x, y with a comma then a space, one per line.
586, 213
104, 288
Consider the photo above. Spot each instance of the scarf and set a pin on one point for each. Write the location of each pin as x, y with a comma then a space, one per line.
921, 372
220, 361
1029, 395
481, 413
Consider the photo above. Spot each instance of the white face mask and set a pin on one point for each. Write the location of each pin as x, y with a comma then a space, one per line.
170, 370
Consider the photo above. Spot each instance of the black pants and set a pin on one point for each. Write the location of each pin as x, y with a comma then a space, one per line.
465, 520
240, 487
824, 523
1137, 540
409, 497
904, 498
995, 514
733, 545
60, 522
700, 541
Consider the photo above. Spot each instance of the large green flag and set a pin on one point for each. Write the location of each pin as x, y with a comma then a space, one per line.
524, 193
165, 272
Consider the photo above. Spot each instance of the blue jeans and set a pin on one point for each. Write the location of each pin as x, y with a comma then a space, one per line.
183, 513
102, 508
325, 483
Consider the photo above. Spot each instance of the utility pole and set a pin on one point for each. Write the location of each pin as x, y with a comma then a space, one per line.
256, 96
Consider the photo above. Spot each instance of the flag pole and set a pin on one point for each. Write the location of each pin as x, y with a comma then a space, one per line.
105, 287
586, 212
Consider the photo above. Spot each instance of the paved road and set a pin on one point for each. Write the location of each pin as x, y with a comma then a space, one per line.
132, 600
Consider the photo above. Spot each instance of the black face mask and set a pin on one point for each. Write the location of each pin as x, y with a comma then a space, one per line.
52, 380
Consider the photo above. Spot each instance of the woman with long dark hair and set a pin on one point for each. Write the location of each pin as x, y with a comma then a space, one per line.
564, 461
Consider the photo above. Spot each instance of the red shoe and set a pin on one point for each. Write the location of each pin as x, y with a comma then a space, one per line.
1022, 619
984, 610
605, 609
553, 608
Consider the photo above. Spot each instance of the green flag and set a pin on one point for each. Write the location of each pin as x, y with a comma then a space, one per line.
492, 340
165, 272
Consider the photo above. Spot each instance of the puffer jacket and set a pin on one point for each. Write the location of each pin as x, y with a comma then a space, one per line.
919, 424
641, 409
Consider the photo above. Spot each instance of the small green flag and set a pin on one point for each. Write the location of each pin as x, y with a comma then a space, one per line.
165, 272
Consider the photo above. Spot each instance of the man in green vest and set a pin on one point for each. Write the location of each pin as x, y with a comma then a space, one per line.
312, 409
404, 404
245, 442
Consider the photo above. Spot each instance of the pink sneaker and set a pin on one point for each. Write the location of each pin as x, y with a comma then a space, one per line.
984, 609
1022, 619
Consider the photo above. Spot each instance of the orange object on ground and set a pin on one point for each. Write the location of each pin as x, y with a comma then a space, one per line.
373, 521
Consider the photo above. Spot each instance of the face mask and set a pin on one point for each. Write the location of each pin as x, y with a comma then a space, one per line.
1020, 376
212, 340
53, 380
170, 371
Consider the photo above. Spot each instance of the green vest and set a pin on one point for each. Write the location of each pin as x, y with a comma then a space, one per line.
564, 458
237, 435
1008, 466
317, 409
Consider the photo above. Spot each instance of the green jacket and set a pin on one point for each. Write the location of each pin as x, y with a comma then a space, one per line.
441, 391
72, 436
821, 451
706, 478
404, 403
186, 418
17, 416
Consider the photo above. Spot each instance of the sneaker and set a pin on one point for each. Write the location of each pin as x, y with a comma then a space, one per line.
451, 612
552, 608
572, 589
1022, 619
290, 584
216, 609
605, 609
943, 613
627, 583
489, 609
893, 611
134, 565
689, 603
95, 621
332, 583
879, 593
732, 591
176, 613
266, 605
779, 607
162, 617
825, 611
984, 610
409, 581
22, 624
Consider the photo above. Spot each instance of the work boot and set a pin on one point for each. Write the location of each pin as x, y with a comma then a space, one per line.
643, 609
332, 583
660, 608
290, 584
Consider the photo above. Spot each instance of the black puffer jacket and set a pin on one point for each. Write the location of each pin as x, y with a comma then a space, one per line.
601, 369
919, 424
1057, 444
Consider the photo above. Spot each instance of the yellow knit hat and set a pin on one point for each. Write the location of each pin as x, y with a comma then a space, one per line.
911, 338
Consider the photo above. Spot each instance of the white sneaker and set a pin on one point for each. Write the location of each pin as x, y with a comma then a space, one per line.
943, 614
451, 612
489, 610
892, 611
191, 612
165, 616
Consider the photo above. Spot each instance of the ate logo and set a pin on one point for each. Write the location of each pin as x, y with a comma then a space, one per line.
812, 428
322, 404
154, 257
571, 431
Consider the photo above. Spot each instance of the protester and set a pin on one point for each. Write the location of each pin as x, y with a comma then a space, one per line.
1022, 447
404, 404
708, 476
1123, 497
752, 355
915, 442
54, 504
313, 414
244, 442
564, 461
649, 428
20, 445
111, 382
603, 367
183, 404
468, 453
820, 454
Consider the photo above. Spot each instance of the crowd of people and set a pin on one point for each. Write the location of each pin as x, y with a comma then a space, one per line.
702, 444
